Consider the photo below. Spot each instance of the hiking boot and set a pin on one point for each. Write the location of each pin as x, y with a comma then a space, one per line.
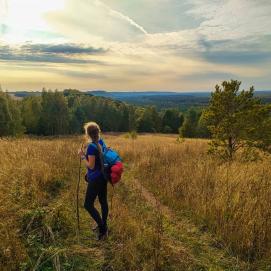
103, 233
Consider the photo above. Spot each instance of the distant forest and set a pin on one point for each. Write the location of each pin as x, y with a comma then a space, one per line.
61, 113
182, 101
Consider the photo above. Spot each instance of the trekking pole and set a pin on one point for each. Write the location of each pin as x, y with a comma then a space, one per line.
111, 201
77, 198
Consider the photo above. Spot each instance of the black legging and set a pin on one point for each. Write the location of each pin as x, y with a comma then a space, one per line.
98, 188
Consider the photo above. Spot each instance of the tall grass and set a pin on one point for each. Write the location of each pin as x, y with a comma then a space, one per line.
35, 198
232, 199
37, 210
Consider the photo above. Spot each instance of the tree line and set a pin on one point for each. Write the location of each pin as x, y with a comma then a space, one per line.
62, 113
234, 119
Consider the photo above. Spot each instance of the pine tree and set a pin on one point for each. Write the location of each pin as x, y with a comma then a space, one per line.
172, 120
31, 113
236, 119
10, 116
55, 114
190, 124
5, 115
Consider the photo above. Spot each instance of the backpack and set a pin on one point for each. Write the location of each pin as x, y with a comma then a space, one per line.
111, 165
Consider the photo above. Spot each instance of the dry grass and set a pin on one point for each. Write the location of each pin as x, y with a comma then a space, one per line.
34, 173
37, 212
233, 199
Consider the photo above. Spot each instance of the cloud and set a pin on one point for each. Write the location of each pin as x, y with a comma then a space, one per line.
230, 25
67, 49
237, 57
159, 16
209, 76
69, 71
81, 74
42, 58
4, 48
141, 44
250, 50
92, 19
232, 19
48, 53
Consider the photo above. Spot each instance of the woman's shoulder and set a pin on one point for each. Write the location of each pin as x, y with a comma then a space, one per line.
91, 148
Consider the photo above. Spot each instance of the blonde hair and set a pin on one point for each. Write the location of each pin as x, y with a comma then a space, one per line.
92, 131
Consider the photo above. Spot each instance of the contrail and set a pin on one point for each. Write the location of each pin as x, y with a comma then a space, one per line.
122, 16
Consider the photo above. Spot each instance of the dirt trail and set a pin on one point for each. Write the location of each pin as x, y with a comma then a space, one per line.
202, 246
189, 243
151, 199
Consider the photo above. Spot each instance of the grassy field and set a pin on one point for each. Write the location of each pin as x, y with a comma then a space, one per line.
176, 208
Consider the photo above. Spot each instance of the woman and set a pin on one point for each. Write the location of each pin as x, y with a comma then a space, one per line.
97, 184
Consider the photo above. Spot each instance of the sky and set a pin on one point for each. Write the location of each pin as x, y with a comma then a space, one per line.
134, 45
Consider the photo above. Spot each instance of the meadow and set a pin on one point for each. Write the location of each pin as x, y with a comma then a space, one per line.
177, 208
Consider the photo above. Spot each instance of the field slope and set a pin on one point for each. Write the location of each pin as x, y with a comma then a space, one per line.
175, 209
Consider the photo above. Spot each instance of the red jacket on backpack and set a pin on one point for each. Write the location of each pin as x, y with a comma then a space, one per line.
116, 171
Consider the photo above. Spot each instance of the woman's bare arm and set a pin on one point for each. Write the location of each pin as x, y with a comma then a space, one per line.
90, 161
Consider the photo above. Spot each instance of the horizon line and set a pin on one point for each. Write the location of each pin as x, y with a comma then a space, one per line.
126, 91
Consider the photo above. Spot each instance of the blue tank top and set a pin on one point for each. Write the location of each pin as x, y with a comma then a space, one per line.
95, 173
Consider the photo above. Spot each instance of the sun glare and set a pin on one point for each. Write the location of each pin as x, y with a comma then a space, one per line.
29, 14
